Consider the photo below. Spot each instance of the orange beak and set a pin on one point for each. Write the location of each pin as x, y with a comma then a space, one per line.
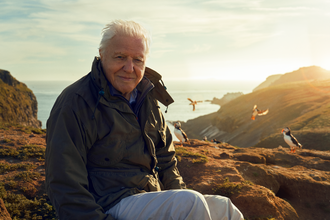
282, 130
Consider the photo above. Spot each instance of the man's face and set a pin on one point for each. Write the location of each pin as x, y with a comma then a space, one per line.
124, 63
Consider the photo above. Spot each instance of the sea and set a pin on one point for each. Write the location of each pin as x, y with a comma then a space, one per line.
46, 93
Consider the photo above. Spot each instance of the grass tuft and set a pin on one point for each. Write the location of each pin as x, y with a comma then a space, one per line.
197, 157
227, 188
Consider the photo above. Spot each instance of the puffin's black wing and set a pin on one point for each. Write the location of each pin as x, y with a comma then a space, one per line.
294, 140
184, 134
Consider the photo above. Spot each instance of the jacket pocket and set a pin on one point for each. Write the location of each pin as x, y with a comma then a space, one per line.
106, 153
113, 181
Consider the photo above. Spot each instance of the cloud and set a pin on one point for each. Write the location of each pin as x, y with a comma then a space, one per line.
202, 48
28, 51
44, 30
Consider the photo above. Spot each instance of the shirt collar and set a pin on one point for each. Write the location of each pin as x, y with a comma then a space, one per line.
115, 92
133, 96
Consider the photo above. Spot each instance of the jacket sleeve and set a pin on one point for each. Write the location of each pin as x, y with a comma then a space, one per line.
167, 162
66, 173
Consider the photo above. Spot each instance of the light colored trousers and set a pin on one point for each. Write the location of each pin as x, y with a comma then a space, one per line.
175, 205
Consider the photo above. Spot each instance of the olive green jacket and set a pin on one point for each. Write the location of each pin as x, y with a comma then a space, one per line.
99, 151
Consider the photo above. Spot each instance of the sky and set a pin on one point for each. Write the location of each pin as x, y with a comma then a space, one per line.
191, 39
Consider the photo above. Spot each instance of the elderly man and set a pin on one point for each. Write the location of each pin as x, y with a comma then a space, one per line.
109, 151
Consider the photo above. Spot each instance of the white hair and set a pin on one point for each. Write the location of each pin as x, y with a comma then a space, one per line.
126, 28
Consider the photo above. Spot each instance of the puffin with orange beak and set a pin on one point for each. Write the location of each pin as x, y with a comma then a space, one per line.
290, 140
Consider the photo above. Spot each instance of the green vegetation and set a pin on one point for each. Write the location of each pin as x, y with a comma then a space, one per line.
19, 127
227, 188
197, 157
24, 152
19, 207
11, 184
4, 167
247, 182
6, 140
29, 130
7, 125
27, 176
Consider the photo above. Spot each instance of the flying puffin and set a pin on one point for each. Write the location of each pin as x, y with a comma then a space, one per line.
256, 111
290, 140
179, 133
193, 103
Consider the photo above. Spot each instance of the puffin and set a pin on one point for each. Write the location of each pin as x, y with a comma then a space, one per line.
256, 111
290, 140
216, 141
193, 103
180, 134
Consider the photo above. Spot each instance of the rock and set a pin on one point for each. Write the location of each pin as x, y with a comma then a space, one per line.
260, 202
226, 98
4, 215
250, 157
18, 104
269, 80
265, 183
225, 156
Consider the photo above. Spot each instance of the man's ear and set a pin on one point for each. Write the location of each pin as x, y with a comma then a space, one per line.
101, 55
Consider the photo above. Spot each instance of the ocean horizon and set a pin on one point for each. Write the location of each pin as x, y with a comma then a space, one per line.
46, 93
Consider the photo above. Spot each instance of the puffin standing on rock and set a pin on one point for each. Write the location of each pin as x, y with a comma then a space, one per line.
290, 140
256, 111
180, 134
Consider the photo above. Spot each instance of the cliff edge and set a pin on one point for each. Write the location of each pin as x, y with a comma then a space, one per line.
18, 104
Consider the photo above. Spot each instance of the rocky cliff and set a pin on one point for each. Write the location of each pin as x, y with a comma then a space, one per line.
18, 104
269, 80
226, 98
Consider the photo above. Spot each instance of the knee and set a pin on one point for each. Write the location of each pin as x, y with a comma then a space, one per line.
192, 195
193, 204
190, 198
223, 206
217, 199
